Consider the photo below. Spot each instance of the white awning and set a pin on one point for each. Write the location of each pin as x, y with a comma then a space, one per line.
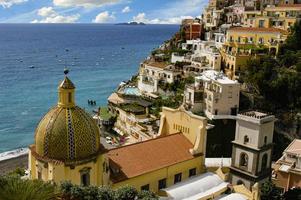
197, 187
233, 196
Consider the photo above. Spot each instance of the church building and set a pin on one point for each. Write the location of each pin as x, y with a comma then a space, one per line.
67, 148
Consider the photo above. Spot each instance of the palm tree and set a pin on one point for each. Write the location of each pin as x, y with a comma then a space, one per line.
14, 188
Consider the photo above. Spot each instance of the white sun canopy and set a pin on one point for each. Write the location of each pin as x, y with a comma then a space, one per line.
197, 187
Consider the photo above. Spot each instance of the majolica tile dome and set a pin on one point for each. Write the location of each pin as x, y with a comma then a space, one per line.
67, 132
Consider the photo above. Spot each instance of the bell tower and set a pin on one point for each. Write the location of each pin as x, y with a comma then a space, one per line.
252, 148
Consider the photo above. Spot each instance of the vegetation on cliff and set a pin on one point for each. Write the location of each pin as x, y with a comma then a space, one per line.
15, 188
274, 85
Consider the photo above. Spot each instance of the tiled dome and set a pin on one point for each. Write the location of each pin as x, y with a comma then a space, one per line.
67, 132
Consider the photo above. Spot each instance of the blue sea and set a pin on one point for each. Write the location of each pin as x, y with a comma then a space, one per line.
33, 57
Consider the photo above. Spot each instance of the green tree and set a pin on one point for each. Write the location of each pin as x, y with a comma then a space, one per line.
293, 41
14, 188
147, 195
105, 193
126, 193
269, 191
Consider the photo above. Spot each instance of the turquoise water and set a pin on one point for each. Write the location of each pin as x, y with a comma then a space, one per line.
131, 91
32, 59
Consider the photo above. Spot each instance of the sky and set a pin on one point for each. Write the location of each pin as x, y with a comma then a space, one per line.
99, 11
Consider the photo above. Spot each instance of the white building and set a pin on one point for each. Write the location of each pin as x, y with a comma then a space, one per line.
203, 51
214, 94
153, 73
252, 149
219, 39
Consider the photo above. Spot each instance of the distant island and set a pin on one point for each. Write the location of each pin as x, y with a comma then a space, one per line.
131, 23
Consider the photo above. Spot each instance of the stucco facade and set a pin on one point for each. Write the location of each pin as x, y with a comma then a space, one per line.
252, 148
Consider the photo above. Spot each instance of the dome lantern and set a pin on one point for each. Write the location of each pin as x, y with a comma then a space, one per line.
66, 92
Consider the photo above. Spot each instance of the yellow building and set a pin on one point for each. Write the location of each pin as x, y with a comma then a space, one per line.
244, 42
283, 16
67, 148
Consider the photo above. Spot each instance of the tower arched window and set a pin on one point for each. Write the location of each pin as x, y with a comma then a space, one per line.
243, 161
265, 140
264, 162
246, 139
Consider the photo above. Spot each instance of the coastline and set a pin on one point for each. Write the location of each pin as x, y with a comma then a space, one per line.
11, 160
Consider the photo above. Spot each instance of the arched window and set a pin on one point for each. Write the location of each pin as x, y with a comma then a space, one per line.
265, 140
246, 139
264, 162
85, 177
240, 182
243, 161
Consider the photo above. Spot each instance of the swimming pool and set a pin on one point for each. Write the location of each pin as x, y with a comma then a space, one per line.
131, 91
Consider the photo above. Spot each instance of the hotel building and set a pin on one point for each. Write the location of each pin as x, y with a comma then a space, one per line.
287, 170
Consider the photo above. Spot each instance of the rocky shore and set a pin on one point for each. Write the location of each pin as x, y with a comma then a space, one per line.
10, 164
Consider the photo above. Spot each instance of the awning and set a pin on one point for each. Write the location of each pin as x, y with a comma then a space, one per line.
197, 187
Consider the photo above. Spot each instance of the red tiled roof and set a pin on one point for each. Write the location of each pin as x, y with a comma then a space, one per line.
140, 158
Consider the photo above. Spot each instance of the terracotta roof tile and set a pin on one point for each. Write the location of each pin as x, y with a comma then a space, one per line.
140, 158
294, 147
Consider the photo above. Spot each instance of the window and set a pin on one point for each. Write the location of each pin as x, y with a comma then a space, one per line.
178, 178
265, 140
216, 111
261, 23
238, 40
162, 184
243, 162
69, 97
39, 175
230, 94
264, 162
246, 139
145, 187
239, 182
192, 172
85, 177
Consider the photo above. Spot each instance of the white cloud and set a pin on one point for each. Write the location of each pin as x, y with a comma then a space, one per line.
104, 17
126, 9
141, 17
84, 3
9, 3
173, 13
49, 15
181, 8
46, 12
